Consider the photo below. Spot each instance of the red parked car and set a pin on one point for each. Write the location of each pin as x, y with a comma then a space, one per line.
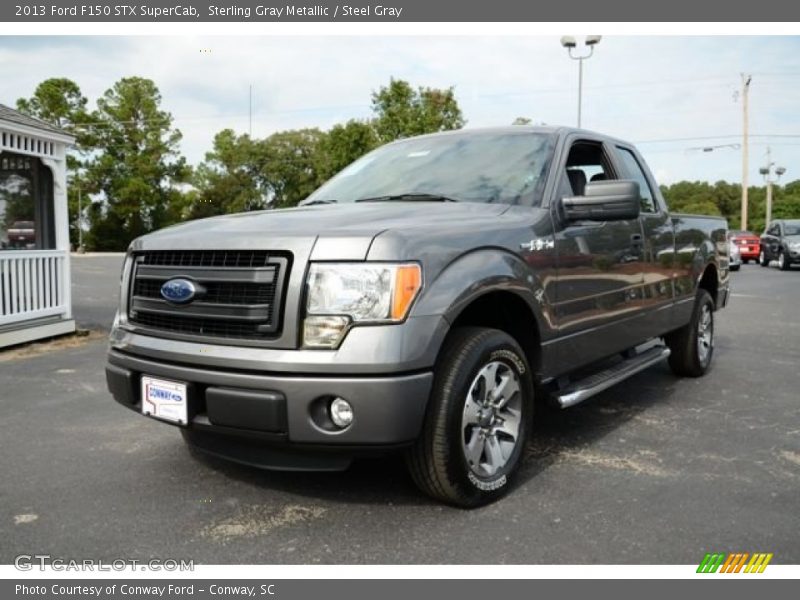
748, 243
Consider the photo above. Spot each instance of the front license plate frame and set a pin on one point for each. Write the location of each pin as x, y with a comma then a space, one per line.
165, 399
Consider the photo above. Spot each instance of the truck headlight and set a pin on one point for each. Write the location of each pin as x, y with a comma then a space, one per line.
343, 294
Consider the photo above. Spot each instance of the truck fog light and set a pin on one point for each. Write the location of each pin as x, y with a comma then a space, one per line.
324, 332
341, 412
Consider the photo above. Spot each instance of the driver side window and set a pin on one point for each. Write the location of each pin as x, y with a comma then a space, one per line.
586, 162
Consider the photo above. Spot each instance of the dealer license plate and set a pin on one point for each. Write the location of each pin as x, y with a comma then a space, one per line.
164, 399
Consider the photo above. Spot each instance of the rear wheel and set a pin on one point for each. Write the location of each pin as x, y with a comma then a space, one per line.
783, 262
478, 417
746, 261
692, 346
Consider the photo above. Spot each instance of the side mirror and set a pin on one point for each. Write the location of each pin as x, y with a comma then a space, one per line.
604, 201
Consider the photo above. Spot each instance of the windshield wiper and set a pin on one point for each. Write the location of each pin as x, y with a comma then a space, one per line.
413, 197
313, 202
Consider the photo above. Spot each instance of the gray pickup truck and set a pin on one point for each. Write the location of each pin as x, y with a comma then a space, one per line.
423, 300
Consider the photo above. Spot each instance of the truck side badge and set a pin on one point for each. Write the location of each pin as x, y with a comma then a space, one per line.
537, 244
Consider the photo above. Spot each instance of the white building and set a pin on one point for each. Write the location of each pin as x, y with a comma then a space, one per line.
35, 299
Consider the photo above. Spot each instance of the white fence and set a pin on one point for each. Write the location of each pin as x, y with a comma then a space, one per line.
32, 285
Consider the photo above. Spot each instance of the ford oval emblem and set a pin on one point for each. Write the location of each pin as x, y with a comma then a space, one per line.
179, 291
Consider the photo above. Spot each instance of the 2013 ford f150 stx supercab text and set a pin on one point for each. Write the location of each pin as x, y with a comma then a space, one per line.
424, 299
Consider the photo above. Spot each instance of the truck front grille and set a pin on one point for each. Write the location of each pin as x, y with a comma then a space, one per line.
239, 293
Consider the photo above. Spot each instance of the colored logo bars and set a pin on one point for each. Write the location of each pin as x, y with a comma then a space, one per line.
734, 562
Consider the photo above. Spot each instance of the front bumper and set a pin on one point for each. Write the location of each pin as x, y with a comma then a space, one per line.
272, 420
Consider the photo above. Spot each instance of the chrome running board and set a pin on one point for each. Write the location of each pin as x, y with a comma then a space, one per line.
580, 390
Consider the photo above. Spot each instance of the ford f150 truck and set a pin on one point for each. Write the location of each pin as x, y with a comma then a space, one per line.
425, 300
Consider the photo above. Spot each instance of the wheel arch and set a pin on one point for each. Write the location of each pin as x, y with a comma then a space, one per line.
709, 281
510, 313
492, 287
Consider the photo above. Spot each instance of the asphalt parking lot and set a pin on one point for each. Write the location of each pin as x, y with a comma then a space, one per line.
656, 470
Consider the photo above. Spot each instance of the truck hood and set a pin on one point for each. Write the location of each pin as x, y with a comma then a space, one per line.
342, 232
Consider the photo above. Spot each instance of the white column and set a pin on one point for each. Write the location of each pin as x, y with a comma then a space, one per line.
58, 166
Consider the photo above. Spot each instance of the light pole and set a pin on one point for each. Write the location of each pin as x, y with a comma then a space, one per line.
570, 44
768, 171
707, 149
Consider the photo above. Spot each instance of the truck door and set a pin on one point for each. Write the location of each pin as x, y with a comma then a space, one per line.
658, 238
599, 263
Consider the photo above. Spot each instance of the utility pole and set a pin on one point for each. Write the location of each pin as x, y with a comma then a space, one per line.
250, 111
745, 148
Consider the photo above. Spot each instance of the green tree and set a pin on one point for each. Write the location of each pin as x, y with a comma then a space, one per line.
343, 144
401, 111
58, 101
229, 180
137, 168
289, 165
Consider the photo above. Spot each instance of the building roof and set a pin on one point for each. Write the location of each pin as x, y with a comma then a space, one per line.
14, 116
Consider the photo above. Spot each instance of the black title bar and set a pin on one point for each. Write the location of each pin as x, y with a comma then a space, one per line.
199, 11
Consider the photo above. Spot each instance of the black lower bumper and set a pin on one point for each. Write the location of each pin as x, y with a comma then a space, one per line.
274, 421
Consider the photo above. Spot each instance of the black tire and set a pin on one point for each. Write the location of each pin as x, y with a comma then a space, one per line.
783, 261
686, 359
746, 261
438, 460
762, 259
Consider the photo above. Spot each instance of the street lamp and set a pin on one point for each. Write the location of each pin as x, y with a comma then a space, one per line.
768, 172
707, 149
571, 44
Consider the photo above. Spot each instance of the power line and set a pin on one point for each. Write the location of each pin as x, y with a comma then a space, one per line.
717, 137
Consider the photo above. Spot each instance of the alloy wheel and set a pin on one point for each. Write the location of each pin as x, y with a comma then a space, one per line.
491, 419
705, 334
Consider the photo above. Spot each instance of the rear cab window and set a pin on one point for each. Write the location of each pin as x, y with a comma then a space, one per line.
636, 173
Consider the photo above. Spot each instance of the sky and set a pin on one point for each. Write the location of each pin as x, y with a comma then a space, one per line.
671, 95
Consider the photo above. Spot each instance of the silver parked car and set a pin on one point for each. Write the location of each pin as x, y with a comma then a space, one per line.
735, 257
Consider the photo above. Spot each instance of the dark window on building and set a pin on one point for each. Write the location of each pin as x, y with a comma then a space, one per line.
26, 203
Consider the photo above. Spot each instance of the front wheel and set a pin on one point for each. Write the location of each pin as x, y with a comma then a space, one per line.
692, 346
478, 417
783, 262
762, 259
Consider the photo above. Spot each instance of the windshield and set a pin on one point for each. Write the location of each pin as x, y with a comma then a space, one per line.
791, 229
477, 167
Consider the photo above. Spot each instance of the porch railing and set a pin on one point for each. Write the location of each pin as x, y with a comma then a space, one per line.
32, 285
